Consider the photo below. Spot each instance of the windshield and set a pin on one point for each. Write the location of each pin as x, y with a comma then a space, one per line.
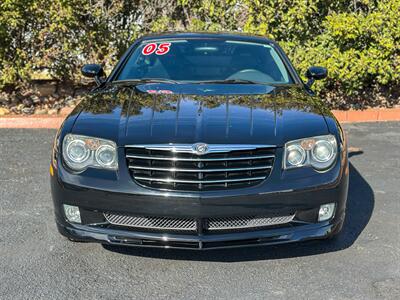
197, 60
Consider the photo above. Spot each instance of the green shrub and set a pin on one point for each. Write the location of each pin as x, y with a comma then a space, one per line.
358, 41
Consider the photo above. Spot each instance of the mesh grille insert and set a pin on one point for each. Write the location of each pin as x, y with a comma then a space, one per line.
245, 222
178, 224
152, 222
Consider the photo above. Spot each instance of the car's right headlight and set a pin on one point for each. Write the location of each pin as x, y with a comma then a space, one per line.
320, 152
81, 152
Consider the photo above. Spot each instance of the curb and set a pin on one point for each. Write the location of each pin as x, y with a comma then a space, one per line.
32, 122
368, 115
349, 116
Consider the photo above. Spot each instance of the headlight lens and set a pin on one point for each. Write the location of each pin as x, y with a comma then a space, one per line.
81, 152
77, 151
106, 155
319, 152
322, 151
295, 155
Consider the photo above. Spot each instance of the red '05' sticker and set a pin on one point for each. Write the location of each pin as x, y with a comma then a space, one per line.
159, 49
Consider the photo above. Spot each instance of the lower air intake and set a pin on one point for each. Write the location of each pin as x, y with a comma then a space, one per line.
230, 223
157, 223
190, 224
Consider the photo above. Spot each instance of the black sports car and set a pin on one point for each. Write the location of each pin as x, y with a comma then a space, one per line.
200, 141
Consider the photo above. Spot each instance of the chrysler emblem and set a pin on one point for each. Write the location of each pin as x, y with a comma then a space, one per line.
200, 148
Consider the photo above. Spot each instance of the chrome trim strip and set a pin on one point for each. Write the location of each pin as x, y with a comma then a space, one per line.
199, 159
200, 170
172, 180
188, 148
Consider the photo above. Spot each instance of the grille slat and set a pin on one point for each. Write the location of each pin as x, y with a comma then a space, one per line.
171, 180
223, 167
197, 170
174, 158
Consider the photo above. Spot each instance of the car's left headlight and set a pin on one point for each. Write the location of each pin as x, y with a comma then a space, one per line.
319, 152
81, 152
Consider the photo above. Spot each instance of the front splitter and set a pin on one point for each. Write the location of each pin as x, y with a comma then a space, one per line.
290, 234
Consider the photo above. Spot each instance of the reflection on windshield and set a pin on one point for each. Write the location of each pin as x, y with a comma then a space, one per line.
206, 60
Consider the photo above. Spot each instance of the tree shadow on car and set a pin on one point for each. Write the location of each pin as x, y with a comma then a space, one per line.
360, 204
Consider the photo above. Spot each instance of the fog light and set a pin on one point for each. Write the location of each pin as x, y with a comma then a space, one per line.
326, 211
72, 213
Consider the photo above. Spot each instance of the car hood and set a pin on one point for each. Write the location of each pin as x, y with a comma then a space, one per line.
209, 113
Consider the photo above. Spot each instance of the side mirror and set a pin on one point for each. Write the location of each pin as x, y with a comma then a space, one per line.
315, 73
94, 71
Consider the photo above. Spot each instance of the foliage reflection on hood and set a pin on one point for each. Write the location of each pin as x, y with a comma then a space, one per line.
133, 102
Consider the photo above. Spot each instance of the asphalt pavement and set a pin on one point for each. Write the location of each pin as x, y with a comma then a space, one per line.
363, 263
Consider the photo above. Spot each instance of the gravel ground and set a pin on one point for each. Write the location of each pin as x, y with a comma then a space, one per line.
363, 263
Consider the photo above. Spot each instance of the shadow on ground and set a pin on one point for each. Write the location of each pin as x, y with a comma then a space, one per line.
360, 205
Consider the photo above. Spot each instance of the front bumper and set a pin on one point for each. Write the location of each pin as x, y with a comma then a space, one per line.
299, 192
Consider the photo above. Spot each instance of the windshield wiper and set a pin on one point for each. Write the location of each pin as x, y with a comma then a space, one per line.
147, 80
228, 81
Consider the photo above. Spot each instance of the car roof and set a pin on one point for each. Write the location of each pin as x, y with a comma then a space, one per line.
225, 35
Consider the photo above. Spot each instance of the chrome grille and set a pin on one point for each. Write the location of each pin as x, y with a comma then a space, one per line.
245, 222
177, 167
152, 222
190, 224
